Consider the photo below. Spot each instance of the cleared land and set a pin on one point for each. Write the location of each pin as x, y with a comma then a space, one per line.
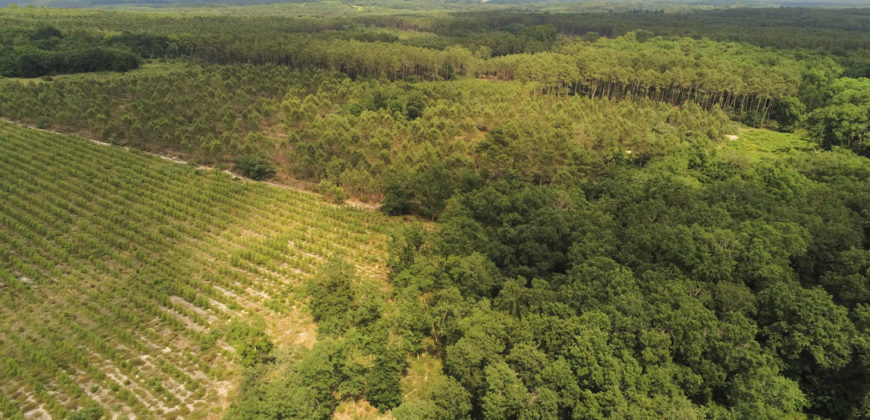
757, 144
118, 270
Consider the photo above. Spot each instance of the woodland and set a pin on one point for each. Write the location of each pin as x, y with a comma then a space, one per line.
592, 213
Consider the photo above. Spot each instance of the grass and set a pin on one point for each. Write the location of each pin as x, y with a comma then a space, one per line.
423, 371
358, 410
757, 144
119, 269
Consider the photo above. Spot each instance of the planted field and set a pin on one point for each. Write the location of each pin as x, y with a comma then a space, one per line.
119, 270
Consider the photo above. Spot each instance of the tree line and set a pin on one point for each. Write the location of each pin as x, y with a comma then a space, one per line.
46, 51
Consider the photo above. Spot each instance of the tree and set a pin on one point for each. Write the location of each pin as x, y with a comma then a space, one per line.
845, 118
414, 107
445, 399
331, 191
805, 327
484, 339
46, 32
383, 389
255, 166
333, 297
397, 195
764, 394
451, 400
788, 113
505, 394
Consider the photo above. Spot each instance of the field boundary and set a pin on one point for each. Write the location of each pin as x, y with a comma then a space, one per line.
303, 189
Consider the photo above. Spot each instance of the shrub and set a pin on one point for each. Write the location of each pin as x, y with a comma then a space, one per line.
255, 166
333, 297
91, 412
250, 340
331, 191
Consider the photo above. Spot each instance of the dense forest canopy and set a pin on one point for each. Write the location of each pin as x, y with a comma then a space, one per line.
648, 213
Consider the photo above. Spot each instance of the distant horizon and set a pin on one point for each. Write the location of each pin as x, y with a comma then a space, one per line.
587, 5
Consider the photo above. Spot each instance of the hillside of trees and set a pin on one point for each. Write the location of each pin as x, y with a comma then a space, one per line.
349, 70
645, 214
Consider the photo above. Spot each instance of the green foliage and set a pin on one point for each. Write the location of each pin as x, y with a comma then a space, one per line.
844, 120
32, 62
527, 235
663, 297
788, 113
45, 32
333, 297
255, 166
414, 108
505, 394
421, 142
446, 399
250, 340
47, 51
331, 191
799, 323
144, 44
451, 400
599, 250
765, 144
404, 244
422, 190
305, 391
383, 389
764, 394
94, 412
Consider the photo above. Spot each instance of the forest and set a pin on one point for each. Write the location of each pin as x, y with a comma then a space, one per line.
527, 210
